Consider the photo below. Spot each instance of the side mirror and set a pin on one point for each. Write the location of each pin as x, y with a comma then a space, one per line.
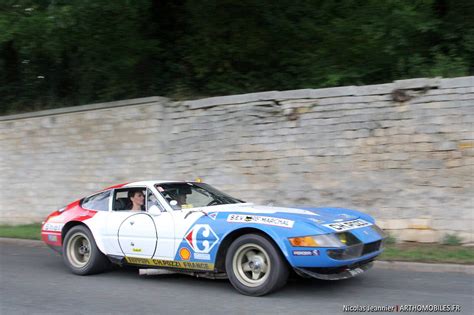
174, 205
154, 210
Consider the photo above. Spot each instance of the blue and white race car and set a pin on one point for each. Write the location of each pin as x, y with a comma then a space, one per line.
194, 228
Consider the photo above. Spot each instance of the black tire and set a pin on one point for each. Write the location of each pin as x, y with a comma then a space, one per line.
266, 264
80, 252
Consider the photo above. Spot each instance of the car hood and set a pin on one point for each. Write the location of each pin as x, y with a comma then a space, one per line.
313, 215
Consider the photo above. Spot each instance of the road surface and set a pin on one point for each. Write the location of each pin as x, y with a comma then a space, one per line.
35, 281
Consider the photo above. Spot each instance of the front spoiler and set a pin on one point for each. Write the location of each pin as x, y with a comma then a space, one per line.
339, 273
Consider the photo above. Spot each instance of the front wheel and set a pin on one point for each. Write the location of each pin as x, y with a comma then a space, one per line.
255, 266
80, 252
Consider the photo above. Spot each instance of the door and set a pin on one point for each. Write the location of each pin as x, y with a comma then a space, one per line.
142, 234
137, 236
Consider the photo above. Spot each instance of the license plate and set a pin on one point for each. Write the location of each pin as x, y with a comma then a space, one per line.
348, 225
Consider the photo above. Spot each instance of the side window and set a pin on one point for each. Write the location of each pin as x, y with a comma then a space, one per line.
129, 198
153, 205
99, 202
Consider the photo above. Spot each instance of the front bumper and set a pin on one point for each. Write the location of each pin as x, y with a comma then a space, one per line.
370, 245
337, 273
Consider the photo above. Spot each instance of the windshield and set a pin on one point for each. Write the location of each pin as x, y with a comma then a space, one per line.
192, 195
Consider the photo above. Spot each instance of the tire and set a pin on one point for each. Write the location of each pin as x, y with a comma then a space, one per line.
80, 252
255, 266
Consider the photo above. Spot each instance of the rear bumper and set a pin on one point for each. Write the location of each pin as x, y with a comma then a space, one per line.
336, 273
53, 240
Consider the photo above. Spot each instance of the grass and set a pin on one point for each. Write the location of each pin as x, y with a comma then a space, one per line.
431, 253
25, 231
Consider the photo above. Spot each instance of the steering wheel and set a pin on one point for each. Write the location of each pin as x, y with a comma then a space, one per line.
213, 202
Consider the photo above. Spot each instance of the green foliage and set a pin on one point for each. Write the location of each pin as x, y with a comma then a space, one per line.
451, 239
69, 52
25, 231
390, 240
429, 253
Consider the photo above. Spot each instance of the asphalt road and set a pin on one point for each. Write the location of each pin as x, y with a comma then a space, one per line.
35, 281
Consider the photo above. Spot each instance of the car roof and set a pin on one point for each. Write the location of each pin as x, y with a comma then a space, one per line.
153, 182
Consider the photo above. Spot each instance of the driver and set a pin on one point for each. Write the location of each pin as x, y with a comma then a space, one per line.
181, 199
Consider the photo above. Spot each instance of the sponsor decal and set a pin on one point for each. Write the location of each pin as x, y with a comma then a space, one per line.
184, 253
202, 256
313, 252
348, 225
56, 227
201, 238
244, 218
170, 263
137, 250
52, 238
212, 215
316, 220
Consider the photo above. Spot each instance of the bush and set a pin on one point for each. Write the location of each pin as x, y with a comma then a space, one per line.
451, 239
390, 240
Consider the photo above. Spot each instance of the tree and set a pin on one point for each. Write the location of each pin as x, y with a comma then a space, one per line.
69, 52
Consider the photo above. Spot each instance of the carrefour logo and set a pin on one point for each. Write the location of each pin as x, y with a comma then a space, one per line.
201, 238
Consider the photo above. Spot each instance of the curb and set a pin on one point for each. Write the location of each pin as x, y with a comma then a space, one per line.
424, 267
379, 264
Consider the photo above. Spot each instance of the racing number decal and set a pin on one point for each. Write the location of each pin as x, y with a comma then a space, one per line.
201, 238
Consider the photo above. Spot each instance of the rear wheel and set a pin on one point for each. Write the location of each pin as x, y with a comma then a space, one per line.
80, 252
255, 266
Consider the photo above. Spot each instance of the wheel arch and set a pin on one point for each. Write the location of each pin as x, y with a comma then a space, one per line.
68, 226
233, 235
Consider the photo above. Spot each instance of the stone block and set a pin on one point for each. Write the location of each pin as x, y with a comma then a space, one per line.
457, 82
420, 223
393, 224
418, 83
466, 237
453, 224
377, 89
231, 99
445, 146
427, 164
420, 236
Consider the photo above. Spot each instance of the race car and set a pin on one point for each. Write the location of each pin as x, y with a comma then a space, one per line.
191, 227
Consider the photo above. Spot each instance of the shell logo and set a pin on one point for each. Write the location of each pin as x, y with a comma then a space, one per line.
184, 253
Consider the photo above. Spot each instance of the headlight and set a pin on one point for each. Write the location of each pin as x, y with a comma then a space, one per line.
348, 238
325, 240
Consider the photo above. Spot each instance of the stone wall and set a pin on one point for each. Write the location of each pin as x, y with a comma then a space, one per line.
403, 151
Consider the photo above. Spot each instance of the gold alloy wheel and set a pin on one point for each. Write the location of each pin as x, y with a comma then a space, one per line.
251, 265
78, 250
